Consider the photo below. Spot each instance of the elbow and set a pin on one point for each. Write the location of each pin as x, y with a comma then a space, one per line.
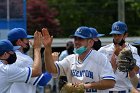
52, 71
36, 73
39, 73
109, 85
112, 84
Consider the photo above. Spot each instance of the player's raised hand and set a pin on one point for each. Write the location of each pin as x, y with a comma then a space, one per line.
37, 40
47, 39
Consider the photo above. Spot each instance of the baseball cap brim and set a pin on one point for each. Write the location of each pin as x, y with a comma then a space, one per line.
117, 32
30, 36
100, 35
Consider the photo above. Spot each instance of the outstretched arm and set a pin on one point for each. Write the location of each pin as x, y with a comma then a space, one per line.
47, 41
37, 68
101, 85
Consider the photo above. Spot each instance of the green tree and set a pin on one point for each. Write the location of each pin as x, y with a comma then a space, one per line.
39, 15
96, 13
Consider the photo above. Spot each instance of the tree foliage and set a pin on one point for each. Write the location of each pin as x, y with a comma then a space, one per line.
96, 13
74, 13
39, 15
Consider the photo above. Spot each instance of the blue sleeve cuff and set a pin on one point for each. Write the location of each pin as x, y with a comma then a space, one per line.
45, 79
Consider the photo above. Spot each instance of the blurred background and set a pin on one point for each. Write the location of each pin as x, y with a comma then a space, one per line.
63, 17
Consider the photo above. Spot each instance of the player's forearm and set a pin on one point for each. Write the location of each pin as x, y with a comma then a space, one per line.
37, 66
133, 78
101, 85
49, 62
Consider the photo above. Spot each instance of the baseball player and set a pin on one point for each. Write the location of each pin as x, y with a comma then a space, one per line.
9, 72
97, 43
19, 37
137, 43
119, 33
87, 67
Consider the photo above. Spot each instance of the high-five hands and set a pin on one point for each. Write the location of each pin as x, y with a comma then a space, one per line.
37, 40
47, 39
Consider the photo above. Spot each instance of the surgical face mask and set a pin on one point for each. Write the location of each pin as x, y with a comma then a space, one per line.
97, 45
12, 58
119, 43
26, 49
80, 50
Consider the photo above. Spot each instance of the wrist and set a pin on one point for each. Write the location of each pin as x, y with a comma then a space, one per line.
37, 49
88, 85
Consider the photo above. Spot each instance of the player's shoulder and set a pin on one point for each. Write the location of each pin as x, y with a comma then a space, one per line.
107, 46
131, 47
71, 56
98, 57
97, 54
9, 67
2, 67
23, 57
23, 60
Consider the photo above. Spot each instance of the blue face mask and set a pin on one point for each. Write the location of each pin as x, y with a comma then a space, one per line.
80, 50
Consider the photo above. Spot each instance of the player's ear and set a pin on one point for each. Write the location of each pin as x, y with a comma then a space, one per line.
125, 35
91, 42
19, 42
3, 56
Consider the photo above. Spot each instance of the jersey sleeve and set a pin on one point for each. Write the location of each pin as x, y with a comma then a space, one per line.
136, 56
106, 70
63, 66
102, 50
41, 80
17, 74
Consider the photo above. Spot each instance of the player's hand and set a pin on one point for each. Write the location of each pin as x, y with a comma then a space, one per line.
37, 40
47, 39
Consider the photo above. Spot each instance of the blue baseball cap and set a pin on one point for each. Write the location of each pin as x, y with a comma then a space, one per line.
6, 46
119, 28
18, 33
95, 33
83, 32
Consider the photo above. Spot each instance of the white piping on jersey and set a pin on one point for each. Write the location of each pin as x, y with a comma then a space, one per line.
38, 79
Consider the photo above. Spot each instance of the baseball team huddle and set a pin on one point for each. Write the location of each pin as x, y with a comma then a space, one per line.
91, 68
